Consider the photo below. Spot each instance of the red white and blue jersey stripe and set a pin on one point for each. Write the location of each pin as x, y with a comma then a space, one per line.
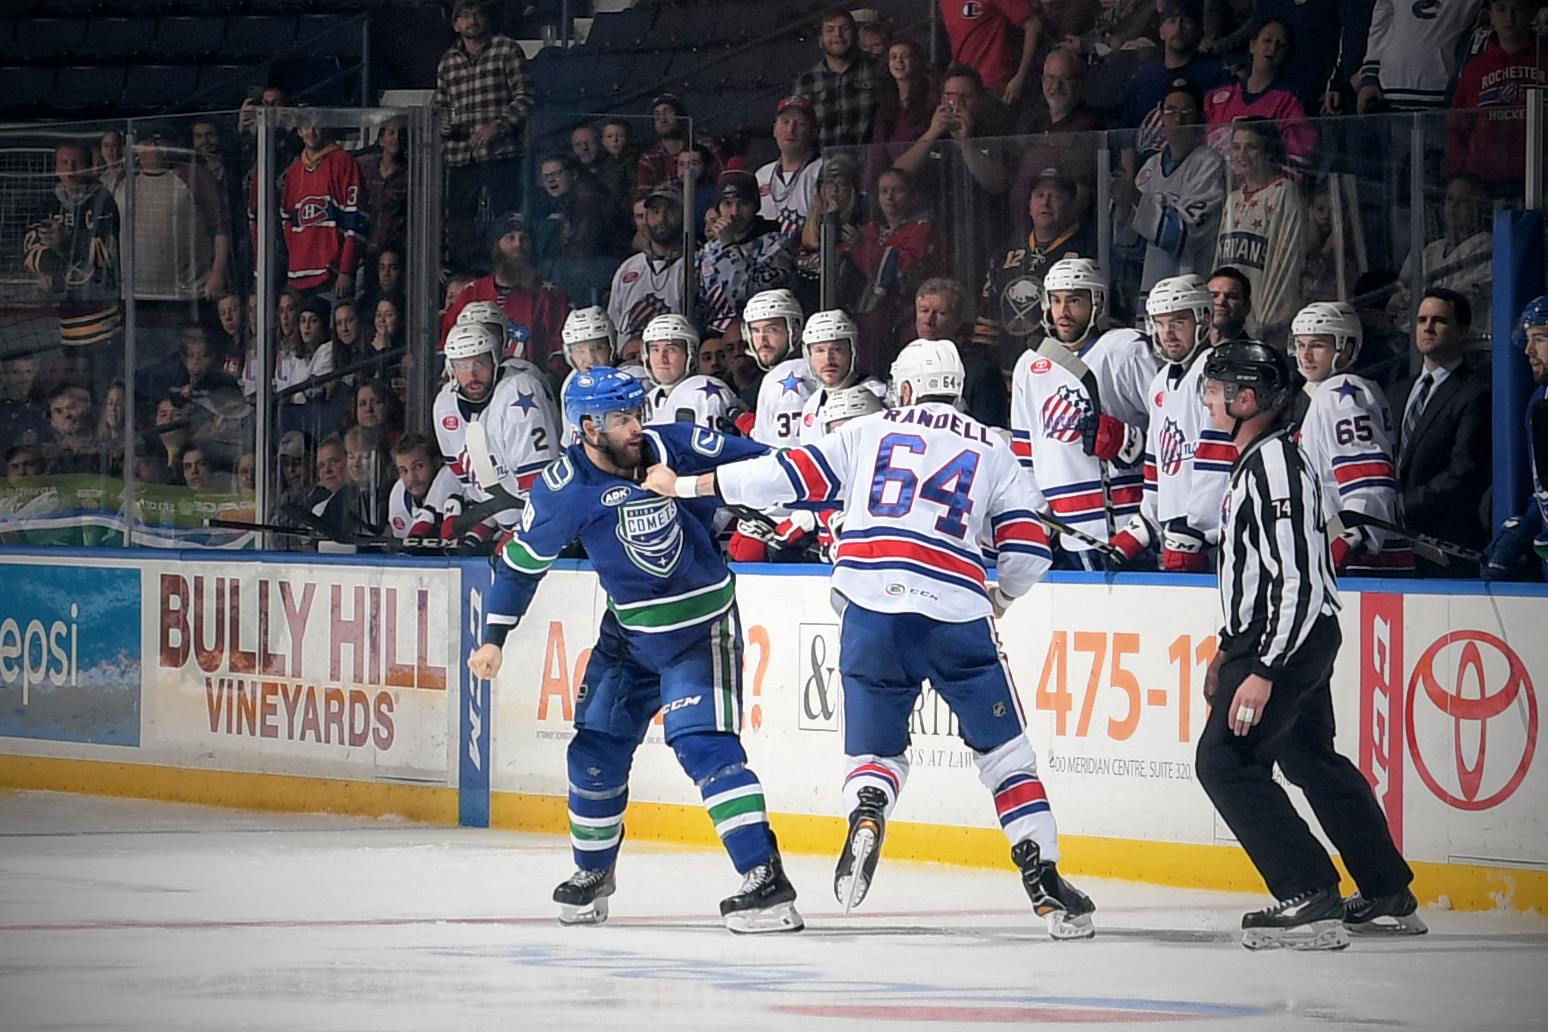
1187, 462
924, 490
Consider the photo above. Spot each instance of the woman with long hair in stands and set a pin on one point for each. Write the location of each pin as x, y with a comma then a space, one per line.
903, 107
314, 326
894, 253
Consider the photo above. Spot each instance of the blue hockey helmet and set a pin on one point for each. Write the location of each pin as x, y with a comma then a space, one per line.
1534, 314
600, 390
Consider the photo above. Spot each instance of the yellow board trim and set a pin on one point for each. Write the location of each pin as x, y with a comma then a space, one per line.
1176, 864
242, 791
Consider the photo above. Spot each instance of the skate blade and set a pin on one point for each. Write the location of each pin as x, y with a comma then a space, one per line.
782, 917
851, 890
1389, 926
593, 913
1319, 935
1063, 927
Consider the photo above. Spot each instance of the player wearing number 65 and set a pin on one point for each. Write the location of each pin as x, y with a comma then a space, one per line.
671, 642
921, 485
1270, 681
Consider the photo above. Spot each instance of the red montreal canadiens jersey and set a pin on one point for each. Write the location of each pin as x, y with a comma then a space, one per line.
324, 226
987, 35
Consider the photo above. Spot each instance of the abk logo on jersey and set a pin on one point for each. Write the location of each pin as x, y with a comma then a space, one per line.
616, 496
1063, 413
1174, 449
651, 535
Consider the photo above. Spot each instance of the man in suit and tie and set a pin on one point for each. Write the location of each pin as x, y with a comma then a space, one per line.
1443, 433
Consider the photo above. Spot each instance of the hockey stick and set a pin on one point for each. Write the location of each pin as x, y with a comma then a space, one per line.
1070, 362
1054, 523
484, 473
307, 532
1437, 550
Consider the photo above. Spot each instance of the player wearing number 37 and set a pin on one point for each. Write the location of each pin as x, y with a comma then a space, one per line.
671, 642
921, 485
1270, 681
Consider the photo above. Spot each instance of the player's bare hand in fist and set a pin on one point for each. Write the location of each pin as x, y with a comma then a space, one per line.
486, 660
661, 479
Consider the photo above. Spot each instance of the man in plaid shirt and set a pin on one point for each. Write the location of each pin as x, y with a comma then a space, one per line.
843, 86
485, 93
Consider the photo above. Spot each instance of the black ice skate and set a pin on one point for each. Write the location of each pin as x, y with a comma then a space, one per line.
867, 828
582, 898
765, 903
1394, 914
1309, 921
1066, 909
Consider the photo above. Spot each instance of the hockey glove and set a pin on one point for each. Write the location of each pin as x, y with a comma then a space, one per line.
1134, 538
1500, 557
793, 532
1108, 439
750, 543
1182, 549
745, 423
1347, 544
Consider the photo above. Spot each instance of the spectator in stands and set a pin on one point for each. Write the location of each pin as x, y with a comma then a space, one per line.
247, 472
1180, 58
199, 373
71, 250
787, 184
229, 333
592, 160
843, 87
903, 111
1180, 193
71, 445
325, 227
1230, 292
109, 160
197, 467
485, 89
882, 268
940, 308
110, 429
998, 39
874, 36
456, 283
1264, 232
659, 163
384, 189
1491, 143
181, 233
715, 358
296, 467
621, 155
1227, 26
386, 279
1383, 358
838, 194
694, 160
1330, 269
331, 498
1462, 259
172, 429
317, 347
386, 337
1053, 125
1411, 54
224, 165
1443, 443
368, 466
23, 462
376, 407
650, 282
1264, 95
535, 306
743, 254
578, 241
1340, 29
348, 346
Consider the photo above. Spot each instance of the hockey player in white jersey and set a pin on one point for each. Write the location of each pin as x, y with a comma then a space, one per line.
423, 506
591, 339
673, 396
517, 348
1187, 461
921, 485
772, 323
828, 344
521, 427
1078, 410
1346, 436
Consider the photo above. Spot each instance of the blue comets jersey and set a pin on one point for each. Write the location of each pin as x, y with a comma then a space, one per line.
657, 558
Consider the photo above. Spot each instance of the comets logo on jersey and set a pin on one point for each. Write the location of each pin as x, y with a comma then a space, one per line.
650, 535
1063, 413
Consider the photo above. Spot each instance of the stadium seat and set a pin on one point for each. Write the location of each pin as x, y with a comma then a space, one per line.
160, 86
621, 30
119, 37
189, 37
262, 36
48, 39
332, 34
222, 87
23, 87
88, 87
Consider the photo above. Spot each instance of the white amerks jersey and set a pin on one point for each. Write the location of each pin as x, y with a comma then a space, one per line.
571, 431
783, 391
1048, 406
811, 409
1187, 462
921, 487
701, 400
1346, 437
521, 423
430, 519
643, 288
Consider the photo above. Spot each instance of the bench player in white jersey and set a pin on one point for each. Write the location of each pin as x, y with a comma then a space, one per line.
516, 354
1346, 436
1187, 461
514, 406
828, 344
591, 339
672, 395
771, 324
423, 506
1083, 452
921, 486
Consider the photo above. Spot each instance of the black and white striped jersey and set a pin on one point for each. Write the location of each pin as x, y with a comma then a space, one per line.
1276, 572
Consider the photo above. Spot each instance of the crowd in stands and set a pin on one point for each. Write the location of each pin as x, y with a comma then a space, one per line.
946, 194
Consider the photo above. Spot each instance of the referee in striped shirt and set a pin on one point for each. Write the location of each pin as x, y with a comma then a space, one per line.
1269, 682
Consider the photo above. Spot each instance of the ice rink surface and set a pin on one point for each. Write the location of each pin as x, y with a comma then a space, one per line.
118, 914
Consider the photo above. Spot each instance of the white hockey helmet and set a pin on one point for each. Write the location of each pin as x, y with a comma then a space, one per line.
823, 327
585, 325
933, 368
1179, 294
1075, 274
848, 403
490, 313
772, 304
1336, 319
471, 339
670, 327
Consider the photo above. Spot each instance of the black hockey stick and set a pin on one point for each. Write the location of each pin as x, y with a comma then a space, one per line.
1054, 523
1070, 362
1437, 550
326, 534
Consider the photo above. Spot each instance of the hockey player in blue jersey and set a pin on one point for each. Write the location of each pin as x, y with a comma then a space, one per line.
671, 641
921, 486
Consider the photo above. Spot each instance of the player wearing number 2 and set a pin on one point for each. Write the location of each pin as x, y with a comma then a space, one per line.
1270, 681
921, 486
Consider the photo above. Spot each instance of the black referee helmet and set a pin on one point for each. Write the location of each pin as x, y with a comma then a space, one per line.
1251, 363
